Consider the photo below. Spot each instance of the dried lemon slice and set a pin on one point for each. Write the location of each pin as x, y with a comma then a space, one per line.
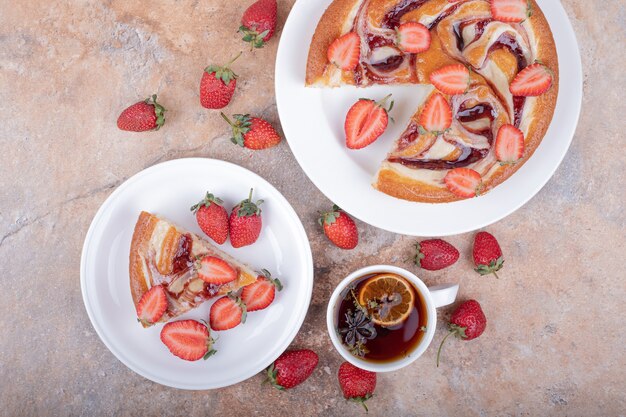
388, 298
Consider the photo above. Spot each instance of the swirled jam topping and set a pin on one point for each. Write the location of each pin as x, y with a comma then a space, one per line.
463, 32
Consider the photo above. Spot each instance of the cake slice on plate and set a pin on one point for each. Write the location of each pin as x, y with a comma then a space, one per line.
173, 270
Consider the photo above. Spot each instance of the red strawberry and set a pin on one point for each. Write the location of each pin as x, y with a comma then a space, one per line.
292, 368
213, 270
187, 339
366, 121
509, 144
261, 292
357, 384
142, 116
227, 312
435, 254
451, 79
212, 217
510, 10
340, 228
487, 254
252, 132
345, 51
463, 182
413, 37
436, 116
532, 81
258, 23
217, 85
152, 305
245, 222
467, 322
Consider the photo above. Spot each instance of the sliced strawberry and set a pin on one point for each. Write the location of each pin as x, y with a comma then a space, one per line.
187, 339
152, 305
345, 51
510, 10
436, 115
509, 144
365, 122
227, 312
463, 182
533, 80
213, 270
413, 37
451, 79
260, 293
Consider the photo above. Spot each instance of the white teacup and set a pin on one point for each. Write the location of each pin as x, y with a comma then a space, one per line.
434, 297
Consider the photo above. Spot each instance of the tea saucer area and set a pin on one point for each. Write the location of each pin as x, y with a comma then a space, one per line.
551, 339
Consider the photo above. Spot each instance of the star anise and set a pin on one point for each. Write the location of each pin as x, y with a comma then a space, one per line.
359, 328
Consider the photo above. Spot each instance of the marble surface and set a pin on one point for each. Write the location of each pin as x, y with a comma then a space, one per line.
554, 344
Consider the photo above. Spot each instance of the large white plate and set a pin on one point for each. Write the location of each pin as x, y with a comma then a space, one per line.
169, 189
313, 118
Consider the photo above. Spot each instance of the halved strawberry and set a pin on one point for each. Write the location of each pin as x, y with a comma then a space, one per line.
152, 305
509, 144
533, 80
463, 182
510, 10
365, 122
213, 270
345, 51
451, 79
187, 339
413, 37
227, 312
261, 292
436, 115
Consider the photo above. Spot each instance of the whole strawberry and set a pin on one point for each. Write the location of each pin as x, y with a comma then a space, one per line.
435, 254
291, 368
142, 116
487, 254
357, 384
212, 217
258, 23
467, 322
340, 228
245, 222
252, 132
217, 85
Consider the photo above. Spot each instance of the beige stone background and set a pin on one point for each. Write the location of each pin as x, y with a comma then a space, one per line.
555, 340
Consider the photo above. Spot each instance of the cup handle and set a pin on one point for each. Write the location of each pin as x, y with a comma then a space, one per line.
443, 295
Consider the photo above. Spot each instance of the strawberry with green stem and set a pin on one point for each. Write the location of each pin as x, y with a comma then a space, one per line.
252, 132
291, 368
212, 217
258, 23
339, 228
217, 85
142, 116
245, 222
466, 323
487, 254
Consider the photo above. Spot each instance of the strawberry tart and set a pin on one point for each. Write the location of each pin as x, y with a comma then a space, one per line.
493, 67
173, 270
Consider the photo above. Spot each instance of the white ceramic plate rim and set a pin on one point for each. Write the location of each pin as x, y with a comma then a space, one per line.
117, 352
397, 215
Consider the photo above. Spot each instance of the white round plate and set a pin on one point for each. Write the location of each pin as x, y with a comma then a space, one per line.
170, 189
312, 119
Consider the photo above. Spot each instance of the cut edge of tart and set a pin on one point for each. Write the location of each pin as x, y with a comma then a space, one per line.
162, 253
